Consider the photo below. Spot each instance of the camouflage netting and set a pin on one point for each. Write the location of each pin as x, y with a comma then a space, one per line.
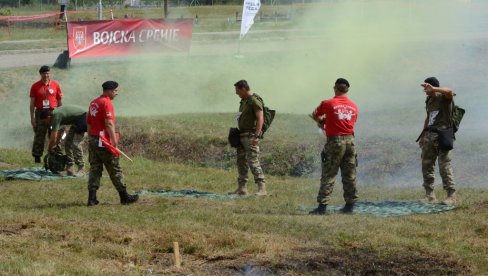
36, 174
390, 208
186, 193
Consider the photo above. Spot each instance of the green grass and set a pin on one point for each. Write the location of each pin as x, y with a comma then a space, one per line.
46, 229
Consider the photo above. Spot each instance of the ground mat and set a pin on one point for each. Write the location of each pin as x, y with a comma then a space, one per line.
391, 208
187, 193
36, 174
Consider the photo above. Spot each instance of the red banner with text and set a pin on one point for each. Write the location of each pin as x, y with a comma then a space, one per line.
128, 36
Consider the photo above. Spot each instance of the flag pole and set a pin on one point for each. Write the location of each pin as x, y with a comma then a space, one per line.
125, 155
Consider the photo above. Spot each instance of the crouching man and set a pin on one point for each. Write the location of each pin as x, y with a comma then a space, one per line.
75, 117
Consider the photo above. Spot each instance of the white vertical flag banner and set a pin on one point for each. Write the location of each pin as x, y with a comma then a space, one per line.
249, 11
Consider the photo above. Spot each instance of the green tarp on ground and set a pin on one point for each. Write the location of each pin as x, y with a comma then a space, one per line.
391, 208
187, 193
379, 208
36, 174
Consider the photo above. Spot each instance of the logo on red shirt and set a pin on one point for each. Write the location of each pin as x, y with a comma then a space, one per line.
93, 109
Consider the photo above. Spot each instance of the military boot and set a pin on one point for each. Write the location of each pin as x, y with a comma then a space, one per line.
451, 198
70, 170
429, 198
81, 172
241, 190
92, 197
261, 190
126, 198
320, 210
348, 208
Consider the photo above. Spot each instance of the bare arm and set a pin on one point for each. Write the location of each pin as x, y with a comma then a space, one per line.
32, 107
320, 120
431, 90
259, 123
110, 127
52, 140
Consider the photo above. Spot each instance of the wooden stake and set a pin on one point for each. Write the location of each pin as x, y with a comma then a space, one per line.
176, 250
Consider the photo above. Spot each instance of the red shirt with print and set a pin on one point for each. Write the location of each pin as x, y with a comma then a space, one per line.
46, 96
100, 109
340, 115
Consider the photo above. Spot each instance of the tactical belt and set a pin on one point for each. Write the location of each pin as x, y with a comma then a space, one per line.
339, 137
244, 134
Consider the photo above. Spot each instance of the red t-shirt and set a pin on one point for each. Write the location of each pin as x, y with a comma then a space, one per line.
46, 96
100, 109
340, 115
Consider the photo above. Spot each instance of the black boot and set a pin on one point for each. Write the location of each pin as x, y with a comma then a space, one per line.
348, 208
125, 198
92, 197
37, 159
321, 210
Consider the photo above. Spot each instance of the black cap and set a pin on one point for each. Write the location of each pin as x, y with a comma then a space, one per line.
342, 81
44, 69
109, 85
432, 81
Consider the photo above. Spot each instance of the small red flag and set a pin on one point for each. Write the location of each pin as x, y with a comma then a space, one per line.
106, 144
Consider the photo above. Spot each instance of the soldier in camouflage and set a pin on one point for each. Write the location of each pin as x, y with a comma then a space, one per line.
438, 106
101, 127
250, 122
75, 117
337, 117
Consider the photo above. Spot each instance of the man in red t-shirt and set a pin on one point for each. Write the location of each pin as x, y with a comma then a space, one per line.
44, 94
337, 117
101, 126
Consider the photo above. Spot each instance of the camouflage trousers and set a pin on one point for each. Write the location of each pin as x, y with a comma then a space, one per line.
339, 153
73, 146
40, 132
248, 157
98, 157
430, 152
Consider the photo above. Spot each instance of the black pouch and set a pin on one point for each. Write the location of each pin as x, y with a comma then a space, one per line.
234, 137
445, 138
80, 125
55, 162
323, 156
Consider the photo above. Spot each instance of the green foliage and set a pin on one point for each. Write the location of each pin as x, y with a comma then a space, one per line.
5, 12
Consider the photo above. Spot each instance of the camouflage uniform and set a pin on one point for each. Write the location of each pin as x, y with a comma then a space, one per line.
98, 157
438, 110
74, 148
247, 154
339, 152
248, 157
40, 132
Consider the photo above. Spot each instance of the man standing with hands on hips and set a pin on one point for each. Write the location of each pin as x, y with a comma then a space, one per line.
44, 94
101, 125
337, 116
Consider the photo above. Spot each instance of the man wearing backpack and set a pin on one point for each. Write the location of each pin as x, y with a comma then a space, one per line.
337, 117
439, 104
250, 121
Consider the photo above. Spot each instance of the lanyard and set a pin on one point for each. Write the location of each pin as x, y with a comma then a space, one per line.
44, 90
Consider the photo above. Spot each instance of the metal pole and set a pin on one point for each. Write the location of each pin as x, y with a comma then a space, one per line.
100, 15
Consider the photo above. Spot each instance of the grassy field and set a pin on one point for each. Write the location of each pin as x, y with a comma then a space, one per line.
174, 113
47, 229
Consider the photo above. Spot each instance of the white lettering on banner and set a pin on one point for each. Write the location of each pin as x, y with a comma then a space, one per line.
159, 35
113, 37
117, 37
